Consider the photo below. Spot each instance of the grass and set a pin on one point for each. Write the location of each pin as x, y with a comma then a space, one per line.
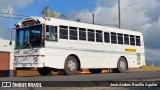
146, 68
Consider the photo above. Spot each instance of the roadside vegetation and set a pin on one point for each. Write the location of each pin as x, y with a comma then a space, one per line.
147, 67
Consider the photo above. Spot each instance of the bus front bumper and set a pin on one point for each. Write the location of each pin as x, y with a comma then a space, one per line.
28, 65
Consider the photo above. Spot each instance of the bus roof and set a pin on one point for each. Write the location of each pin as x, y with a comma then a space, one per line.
57, 22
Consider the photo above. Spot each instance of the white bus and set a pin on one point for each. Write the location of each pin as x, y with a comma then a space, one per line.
55, 44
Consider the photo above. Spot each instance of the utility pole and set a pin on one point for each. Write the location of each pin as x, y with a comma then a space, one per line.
93, 17
119, 14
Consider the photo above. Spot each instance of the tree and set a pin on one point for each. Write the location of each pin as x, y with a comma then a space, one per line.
47, 12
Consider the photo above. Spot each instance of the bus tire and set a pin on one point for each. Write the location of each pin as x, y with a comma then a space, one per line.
121, 66
70, 66
44, 71
114, 70
95, 70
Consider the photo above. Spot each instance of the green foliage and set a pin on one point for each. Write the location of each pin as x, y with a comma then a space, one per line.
47, 12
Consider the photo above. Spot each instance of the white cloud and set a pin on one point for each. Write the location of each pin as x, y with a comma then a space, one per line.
14, 3
138, 15
7, 6
152, 54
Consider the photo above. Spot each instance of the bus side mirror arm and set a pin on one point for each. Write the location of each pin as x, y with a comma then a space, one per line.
10, 43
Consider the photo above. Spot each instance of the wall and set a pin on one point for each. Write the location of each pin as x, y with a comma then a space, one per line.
5, 47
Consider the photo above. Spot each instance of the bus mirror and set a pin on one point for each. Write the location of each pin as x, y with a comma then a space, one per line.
10, 43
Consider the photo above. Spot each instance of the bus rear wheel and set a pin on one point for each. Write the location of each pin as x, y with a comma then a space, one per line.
121, 66
70, 66
95, 70
44, 71
114, 70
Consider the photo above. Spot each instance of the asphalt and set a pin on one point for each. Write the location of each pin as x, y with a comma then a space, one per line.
89, 77
88, 81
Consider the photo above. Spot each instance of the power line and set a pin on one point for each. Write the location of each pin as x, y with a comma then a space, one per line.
10, 17
119, 14
13, 14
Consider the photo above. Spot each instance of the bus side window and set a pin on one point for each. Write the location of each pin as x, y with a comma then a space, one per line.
106, 37
63, 32
120, 38
132, 40
73, 33
47, 28
91, 35
99, 36
113, 38
51, 33
126, 39
47, 33
138, 41
82, 34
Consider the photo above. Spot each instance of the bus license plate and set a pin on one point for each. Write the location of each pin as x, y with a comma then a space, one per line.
25, 59
24, 65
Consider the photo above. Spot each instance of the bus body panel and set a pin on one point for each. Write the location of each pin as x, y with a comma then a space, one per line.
91, 54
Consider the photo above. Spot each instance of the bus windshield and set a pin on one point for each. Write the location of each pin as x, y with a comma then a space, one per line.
29, 37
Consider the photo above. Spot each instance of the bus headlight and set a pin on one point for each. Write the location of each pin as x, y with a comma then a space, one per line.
35, 59
16, 60
36, 50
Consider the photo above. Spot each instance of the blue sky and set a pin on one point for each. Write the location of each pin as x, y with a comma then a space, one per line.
56, 5
66, 8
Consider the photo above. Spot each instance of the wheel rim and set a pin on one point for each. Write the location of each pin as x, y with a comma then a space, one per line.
123, 65
72, 65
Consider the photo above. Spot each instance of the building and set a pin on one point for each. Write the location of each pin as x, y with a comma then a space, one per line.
6, 58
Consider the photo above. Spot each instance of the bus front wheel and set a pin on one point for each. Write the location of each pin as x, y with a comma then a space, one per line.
70, 66
44, 71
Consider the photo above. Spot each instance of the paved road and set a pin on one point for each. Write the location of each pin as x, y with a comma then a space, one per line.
95, 81
89, 77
